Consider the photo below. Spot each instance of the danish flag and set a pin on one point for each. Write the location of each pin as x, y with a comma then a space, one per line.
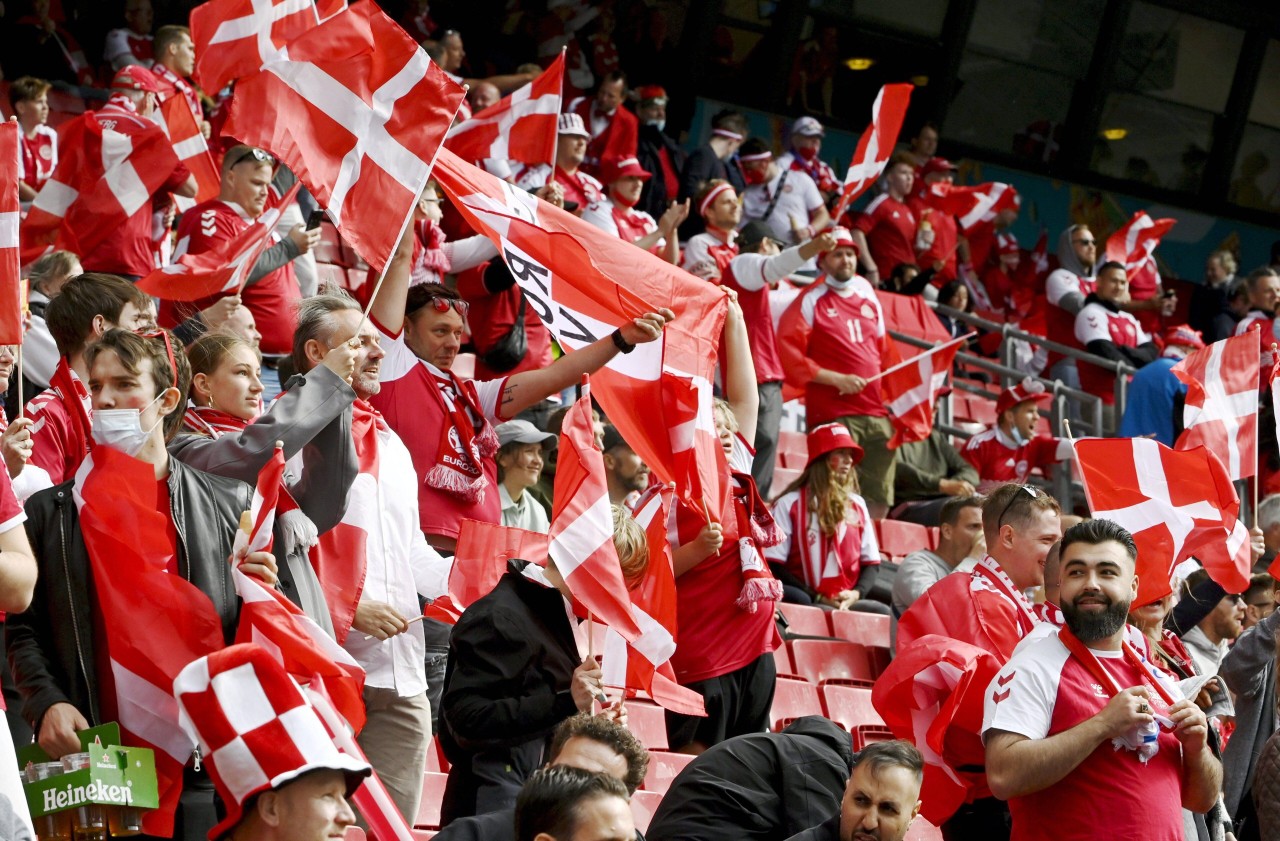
911, 387
1176, 503
10, 288
875, 147
583, 283
234, 38
179, 124
974, 207
1221, 409
358, 111
1134, 244
521, 127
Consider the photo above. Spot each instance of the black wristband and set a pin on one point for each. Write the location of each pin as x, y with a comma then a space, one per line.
621, 343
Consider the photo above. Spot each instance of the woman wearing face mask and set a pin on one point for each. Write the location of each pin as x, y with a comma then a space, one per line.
225, 433
828, 554
617, 215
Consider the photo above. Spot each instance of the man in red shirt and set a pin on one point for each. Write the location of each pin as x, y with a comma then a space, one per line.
1106, 330
617, 214
134, 99
175, 62
1010, 450
938, 231
39, 143
708, 254
271, 292
615, 131
830, 341
1084, 737
580, 189
885, 233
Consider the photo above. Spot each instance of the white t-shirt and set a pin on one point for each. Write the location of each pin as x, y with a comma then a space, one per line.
800, 198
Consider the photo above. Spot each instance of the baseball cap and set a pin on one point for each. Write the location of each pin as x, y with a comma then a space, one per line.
571, 125
522, 432
1028, 389
844, 239
937, 164
807, 127
135, 77
753, 233
651, 93
611, 169
1183, 336
613, 439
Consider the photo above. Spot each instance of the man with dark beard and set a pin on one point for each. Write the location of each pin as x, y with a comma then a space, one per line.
1084, 737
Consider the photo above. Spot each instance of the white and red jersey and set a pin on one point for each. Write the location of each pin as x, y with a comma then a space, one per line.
56, 445
39, 155
418, 417
124, 46
751, 276
272, 299
998, 458
579, 187
828, 565
1044, 690
890, 227
841, 331
174, 84
1097, 322
1060, 324
625, 223
707, 247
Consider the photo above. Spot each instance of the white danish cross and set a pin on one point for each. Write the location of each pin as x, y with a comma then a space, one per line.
258, 24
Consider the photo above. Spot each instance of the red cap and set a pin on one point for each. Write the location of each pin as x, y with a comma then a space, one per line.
830, 437
1183, 336
611, 169
651, 93
936, 164
844, 239
135, 77
1006, 244
1028, 389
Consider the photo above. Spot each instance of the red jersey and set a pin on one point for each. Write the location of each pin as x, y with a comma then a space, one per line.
490, 318
890, 227
39, 155
1044, 690
128, 251
417, 416
1096, 322
579, 187
841, 331
612, 135
272, 299
625, 223
946, 235
1060, 324
57, 446
999, 459
708, 247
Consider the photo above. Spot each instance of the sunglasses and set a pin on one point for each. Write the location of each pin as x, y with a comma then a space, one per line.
442, 305
1085, 241
1031, 490
257, 154
168, 349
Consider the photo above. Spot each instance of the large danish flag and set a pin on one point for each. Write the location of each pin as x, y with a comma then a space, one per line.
10, 265
179, 124
521, 127
875, 147
1176, 503
1134, 245
583, 283
911, 387
975, 206
358, 111
234, 38
1221, 409
222, 270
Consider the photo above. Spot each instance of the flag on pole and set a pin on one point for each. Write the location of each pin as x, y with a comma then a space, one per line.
10, 211
974, 207
520, 127
1221, 407
180, 126
234, 38
875, 147
910, 388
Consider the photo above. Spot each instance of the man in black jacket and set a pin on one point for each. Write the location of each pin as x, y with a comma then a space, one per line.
658, 153
881, 799
52, 645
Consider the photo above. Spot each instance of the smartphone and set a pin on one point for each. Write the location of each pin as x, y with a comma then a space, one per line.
314, 220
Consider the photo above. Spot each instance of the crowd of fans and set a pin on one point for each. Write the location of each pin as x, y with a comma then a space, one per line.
388, 430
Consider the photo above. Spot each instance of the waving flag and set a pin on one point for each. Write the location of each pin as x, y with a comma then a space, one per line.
583, 283
910, 388
520, 127
219, 271
1176, 503
1134, 246
1221, 409
179, 124
358, 112
234, 38
103, 177
875, 147
10, 275
973, 207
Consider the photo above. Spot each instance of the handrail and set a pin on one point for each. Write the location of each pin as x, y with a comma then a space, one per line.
1009, 331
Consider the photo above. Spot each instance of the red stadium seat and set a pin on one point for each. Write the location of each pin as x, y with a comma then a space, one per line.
935, 534
850, 707
822, 660
432, 796
643, 805
899, 539
648, 722
793, 450
791, 700
782, 661
436, 760
870, 629
663, 768
867, 734
422, 834
805, 619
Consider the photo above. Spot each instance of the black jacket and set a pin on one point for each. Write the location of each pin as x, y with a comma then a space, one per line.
764, 786
654, 200
51, 645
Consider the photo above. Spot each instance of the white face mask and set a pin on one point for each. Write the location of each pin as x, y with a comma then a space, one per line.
121, 429
839, 285
658, 124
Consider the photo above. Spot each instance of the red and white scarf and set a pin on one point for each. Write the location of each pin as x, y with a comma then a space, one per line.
756, 529
206, 420
75, 398
430, 261
990, 574
823, 559
466, 440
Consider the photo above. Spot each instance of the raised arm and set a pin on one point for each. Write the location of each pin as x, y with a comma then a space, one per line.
739, 371
388, 305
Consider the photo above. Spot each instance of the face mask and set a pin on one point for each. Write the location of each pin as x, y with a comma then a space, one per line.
807, 152
121, 429
658, 124
839, 285
754, 176
624, 201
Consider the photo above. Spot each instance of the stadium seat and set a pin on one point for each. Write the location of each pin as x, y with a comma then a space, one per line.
643, 806
870, 629
663, 768
782, 479
867, 734
899, 539
422, 834
792, 699
432, 796
329, 273
922, 830
793, 450
782, 661
648, 722
850, 707
822, 660
805, 620
357, 278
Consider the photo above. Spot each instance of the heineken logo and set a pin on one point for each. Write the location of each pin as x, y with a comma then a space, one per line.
56, 799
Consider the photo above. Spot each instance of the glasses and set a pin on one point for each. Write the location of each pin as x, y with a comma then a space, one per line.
1084, 241
442, 305
168, 349
1031, 490
257, 154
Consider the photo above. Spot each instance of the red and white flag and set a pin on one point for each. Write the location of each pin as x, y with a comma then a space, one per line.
223, 270
10, 210
1221, 408
582, 537
875, 147
584, 283
155, 621
974, 207
234, 38
358, 111
179, 124
1176, 503
520, 127
1134, 245
103, 177
911, 387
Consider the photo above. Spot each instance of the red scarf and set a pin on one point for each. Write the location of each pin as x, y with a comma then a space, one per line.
756, 528
430, 239
206, 420
1108, 682
75, 398
466, 440
997, 579
822, 571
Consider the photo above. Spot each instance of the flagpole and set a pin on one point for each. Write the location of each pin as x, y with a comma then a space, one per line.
920, 356
22, 409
